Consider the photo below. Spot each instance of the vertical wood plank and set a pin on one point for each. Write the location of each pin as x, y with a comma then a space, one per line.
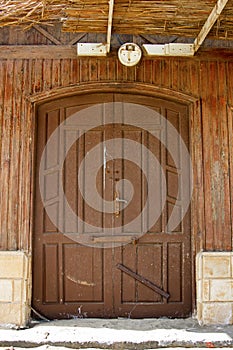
230, 143
14, 199
165, 73
111, 69
195, 78
175, 74
84, 70
74, 71
207, 131
37, 76
148, 71
26, 156
224, 180
229, 78
3, 237
65, 72
47, 74
56, 73
198, 204
5, 152
184, 77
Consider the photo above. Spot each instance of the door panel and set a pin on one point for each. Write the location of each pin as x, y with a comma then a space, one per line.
84, 284
74, 280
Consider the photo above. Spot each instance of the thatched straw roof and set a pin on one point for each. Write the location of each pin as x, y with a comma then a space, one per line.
166, 17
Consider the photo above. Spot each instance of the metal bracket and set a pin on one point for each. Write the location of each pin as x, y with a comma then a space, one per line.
172, 49
91, 49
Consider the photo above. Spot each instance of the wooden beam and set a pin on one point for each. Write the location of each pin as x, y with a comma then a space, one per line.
37, 51
70, 51
76, 39
110, 16
47, 35
214, 15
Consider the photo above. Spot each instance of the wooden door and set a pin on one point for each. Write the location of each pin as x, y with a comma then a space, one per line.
77, 280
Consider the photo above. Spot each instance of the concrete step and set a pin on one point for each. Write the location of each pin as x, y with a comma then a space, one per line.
118, 334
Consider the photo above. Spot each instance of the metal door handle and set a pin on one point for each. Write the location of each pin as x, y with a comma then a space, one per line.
117, 203
121, 200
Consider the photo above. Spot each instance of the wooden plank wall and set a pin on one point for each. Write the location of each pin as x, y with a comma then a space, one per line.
210, 80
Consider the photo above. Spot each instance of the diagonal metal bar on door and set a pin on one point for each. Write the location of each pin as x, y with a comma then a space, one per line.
143, 280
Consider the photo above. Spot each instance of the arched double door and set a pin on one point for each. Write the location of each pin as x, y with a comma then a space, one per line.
124, 273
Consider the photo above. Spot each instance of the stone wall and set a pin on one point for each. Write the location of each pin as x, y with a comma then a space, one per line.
15, 288
214, 275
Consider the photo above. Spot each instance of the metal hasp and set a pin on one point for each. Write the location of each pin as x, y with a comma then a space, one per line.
98, 49
143, 280
177, 49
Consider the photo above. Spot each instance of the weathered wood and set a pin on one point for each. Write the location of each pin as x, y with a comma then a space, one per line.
24, 82
230, 143
3, 235
47, 35
6, 155
76, 39
14, 192
70, 51
225, 217
37, 52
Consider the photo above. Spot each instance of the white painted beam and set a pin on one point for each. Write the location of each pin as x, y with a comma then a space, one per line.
110, 17
214, 15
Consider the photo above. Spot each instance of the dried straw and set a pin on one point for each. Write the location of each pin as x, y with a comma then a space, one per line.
173, 17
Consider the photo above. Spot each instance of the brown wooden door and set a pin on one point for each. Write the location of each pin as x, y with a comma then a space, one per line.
75, 280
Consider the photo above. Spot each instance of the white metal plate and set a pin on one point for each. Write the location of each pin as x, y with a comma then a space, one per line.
91, 49
173, 49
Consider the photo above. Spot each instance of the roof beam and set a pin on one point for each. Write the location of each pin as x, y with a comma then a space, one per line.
98, 49
110, 17
176, 49
214, 15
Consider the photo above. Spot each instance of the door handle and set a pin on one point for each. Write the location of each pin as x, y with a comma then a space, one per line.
117, 201
121, 200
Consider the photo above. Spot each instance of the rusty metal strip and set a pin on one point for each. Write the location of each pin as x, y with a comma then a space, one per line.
114, 239
143, 280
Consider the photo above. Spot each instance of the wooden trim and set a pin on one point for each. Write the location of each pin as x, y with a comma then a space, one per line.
86, 88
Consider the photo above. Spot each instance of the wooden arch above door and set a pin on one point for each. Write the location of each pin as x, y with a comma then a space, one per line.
68, 277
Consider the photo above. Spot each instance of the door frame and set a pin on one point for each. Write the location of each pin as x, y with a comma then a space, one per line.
195, 148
